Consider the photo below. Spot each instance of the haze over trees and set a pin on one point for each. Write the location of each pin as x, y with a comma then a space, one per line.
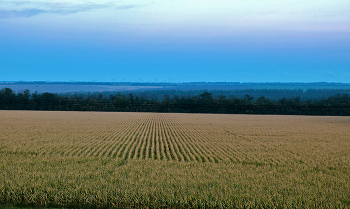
338, 104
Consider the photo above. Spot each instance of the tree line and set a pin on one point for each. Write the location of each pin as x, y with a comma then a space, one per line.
339, 104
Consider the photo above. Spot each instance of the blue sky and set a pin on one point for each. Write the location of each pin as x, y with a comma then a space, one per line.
177, 41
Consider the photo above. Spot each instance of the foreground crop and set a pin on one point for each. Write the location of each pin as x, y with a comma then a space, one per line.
174, 160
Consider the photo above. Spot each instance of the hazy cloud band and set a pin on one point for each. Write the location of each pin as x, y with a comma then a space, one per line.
30, 9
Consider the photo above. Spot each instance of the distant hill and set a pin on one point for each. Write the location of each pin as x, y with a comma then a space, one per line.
67, 87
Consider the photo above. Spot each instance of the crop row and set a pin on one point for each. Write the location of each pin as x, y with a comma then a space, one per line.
256, 140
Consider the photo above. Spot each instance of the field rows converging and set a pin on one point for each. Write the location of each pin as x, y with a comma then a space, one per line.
168, 160
177, 137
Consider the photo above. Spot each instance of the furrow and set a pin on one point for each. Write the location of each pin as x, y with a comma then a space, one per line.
174, 141
170, 142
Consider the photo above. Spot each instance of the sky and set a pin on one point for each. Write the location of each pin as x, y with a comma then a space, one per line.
175, 41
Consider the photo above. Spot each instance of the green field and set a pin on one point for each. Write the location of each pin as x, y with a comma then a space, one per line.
154, 160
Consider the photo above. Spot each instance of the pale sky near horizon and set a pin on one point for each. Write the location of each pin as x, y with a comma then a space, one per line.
177, 41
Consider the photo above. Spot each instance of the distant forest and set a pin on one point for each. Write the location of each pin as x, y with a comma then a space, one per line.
204, 102
273, 94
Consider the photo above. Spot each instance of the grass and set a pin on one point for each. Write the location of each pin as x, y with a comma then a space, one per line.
33, 206
149, 160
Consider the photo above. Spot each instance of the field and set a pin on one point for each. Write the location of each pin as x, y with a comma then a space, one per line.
154, 160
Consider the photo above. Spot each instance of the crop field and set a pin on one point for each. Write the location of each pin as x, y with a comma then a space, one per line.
168, 160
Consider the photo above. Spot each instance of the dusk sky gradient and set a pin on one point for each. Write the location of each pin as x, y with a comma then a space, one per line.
175, 41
